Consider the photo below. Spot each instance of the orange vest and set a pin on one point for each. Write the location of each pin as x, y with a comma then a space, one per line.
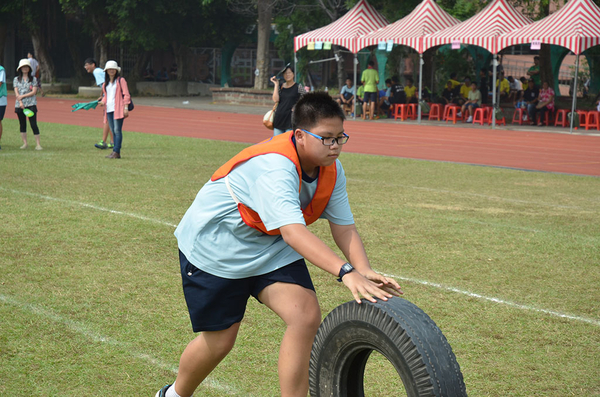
282, 144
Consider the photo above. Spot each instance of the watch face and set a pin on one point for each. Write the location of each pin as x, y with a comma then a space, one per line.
347, 267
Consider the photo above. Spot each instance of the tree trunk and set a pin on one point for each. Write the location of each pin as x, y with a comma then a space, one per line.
341, 73
73, 45
47, 72
262, 48
3, 34
546, 65
182, 55
546, 73
141, 60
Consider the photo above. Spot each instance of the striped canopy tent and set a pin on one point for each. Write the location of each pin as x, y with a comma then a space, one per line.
576, 26
426, 18
483, 30
360, 20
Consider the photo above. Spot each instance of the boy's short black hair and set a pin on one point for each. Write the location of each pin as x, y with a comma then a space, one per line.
314, 107
91, 61
388, 81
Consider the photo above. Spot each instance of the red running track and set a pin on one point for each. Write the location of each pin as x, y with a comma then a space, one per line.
539, 151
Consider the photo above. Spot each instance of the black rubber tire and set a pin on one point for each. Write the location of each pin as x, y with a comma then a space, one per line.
398, 330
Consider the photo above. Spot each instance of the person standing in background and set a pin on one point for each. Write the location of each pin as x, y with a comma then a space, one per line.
534, 72
25, 89
91, 66
3, 98
370, 78
286, 94
116, 98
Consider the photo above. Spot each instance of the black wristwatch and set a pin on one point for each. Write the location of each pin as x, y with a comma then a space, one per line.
346, 268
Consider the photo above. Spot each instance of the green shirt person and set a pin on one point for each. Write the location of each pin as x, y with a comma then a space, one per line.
534, 71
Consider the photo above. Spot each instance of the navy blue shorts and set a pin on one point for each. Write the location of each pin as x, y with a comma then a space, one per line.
216, 303
371, 97
2, 111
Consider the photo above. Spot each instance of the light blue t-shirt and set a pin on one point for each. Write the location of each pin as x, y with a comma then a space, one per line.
3, 98
213, 236
99, 76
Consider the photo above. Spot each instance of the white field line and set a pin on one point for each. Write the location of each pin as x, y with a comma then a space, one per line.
91, 206
497, 300
85, 331
417, 281
458, 193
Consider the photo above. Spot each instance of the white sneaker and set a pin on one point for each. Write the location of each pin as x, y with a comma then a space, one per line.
525, 118
23, 147
459, 114
38, 147
470, 119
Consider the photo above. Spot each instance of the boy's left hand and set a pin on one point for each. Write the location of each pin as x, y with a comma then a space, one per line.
371, 285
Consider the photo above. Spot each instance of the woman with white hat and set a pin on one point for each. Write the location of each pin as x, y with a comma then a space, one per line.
116, 100
26, 104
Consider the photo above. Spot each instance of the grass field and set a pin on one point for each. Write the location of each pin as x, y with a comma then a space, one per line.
505, 262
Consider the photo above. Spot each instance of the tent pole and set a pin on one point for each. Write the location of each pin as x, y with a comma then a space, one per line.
295, 69
574, 93
494, 65
420, 84
355, 87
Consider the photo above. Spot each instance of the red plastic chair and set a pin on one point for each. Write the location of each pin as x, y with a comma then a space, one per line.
561, 118
436, 112
452, 113
501, 121
413, 111
518, 116
582, 118
546, 118
400, 110
592, 120
480, 116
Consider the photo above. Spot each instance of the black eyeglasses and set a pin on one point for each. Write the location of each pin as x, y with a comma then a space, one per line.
330, 141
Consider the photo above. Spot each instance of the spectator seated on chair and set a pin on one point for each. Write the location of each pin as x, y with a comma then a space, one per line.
346, 95
464, 90
545, 102
530, 97
472, 103
162, 75
384, 100
515, 89
411, 91
447, 97
503, 88
149, 75
397, 94
455, 83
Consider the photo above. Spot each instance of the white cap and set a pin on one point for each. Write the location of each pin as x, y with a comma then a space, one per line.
112, 65
24, 62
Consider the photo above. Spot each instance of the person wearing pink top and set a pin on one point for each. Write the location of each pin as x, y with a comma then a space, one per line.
115, 100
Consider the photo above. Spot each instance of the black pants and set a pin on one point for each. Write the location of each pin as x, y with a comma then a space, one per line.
32, 119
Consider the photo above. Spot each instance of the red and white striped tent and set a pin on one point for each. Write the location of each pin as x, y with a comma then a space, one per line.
482, 29
426, 18
360, 20
576, 26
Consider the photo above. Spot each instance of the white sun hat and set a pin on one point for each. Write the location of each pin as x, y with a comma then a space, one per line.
24, 62
112, 65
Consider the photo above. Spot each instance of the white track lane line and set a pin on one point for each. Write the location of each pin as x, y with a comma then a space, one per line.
553, 313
